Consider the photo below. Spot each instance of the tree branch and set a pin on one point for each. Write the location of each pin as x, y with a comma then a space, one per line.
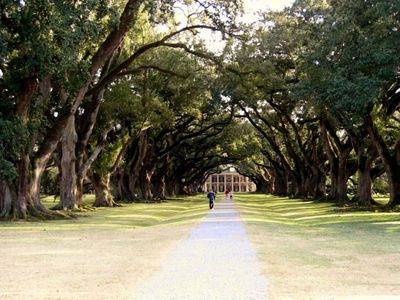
162, 42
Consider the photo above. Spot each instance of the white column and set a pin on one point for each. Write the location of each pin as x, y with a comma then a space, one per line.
224, 183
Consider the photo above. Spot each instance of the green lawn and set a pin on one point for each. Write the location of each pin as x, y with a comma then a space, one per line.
308, 250
260, 208
101, 254
173, 211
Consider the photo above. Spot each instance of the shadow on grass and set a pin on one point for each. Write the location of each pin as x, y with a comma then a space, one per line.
259, 208
175, 211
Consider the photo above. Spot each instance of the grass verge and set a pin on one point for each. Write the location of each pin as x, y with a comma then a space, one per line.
177, 211
103, 254
310, 251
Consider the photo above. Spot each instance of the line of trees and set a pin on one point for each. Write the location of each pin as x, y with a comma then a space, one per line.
323, 92
123, 98
99, 93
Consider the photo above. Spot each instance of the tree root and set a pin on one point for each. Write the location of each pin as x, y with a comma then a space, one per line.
37, 214
43, 213
107, 204
84, 208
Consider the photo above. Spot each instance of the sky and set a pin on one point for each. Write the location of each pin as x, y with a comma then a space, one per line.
251, 7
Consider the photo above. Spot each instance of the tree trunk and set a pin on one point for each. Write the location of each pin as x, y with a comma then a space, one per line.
82, 167
317, 184
262, 186
145, 185
334, 174
390, 162
307, 182
68, 178
129, 177
280, 184
394, 182
160, 188
83, 135
79, 191
364, 188
393, 175
126, 192
20, 204
170, 186
7, 198
341, 193
37, 173
392, 170
103, 195
338, 157
300, 187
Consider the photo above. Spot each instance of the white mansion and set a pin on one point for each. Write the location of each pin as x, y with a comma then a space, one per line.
229, 180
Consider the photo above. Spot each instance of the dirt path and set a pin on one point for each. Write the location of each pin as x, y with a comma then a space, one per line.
216, 262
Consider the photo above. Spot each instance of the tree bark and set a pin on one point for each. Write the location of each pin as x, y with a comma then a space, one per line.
160, 187
341, 194
68, 177
280, 183
79, 190
37, 173
7, 196
262, 187
170, 186
131, 176
103, 195
145, 184
20, 204
337, 161
364, 188
317, 184
82, 167
334, 177
115, 38
390, 162
25, 98
84, 133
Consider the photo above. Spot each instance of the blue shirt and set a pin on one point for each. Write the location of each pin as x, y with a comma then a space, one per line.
211, 196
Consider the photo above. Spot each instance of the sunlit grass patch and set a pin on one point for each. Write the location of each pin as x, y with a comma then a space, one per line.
295, 212
185, 210
310, 248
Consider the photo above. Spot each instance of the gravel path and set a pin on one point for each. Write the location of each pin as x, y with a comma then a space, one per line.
216, 262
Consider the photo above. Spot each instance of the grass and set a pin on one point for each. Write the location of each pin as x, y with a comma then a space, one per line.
136, 215
309, 250
108, 251
299, 213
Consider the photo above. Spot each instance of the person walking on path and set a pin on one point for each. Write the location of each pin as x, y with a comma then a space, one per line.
216, 262
211, 198
226, 194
